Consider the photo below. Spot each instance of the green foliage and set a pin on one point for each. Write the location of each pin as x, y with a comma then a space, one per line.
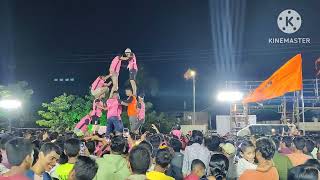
64, 111
161, 120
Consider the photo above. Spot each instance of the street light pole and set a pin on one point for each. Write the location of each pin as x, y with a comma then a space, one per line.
194, 100
191, 74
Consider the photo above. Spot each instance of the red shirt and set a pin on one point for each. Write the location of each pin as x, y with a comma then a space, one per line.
191, 177
15, 177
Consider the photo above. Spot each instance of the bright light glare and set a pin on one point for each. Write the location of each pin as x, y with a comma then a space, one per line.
10, 104
230, 96
192, 73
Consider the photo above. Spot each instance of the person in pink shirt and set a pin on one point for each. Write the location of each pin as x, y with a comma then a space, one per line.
114, 71
133, 69
96, 113
99, 86
141, 113
82, 126
114, 110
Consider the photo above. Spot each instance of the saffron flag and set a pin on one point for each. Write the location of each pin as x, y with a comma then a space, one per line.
287, 78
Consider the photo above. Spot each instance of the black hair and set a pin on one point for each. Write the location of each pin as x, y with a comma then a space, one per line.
197, 162
266, 147
155, 141
140, 160
309, 145
17, 150
53, 135
313, 163
50, 147
91, 145
85, 168
35, 156
175, 144
197, 137
213, 143
303, 172
4, 139
244, 145
37, 144
72, 147
276, 142
299, 142
146, 145
163, 157
118, 144
287, 140
218, 166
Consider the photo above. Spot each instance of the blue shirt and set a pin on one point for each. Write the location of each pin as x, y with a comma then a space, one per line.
30, 175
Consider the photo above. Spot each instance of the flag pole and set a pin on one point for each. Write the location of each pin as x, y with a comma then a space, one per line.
302, 101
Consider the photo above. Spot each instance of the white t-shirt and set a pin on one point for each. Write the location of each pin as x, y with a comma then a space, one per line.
244, 165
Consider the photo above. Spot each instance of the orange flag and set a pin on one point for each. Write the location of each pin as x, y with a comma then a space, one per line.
287, 78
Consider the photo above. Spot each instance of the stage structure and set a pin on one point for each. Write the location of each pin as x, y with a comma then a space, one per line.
291, 106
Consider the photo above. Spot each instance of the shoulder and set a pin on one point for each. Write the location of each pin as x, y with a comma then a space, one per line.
247, 174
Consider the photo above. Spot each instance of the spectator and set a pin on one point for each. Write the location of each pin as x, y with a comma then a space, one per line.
20, 156
85, 168
198, 169
113, 165
71, 150
285, 145
4, 139
303, 172
212, 144
155, 141
48, 156
195, 151
313, 163
281, 162
229, 151
316, 150
309, 147
140, 161
91, 146
265, 150
298, 157
218, 167
246, 161
175, 169
146, 145
163, 159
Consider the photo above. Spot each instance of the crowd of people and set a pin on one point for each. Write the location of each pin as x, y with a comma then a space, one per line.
129, 154
157, 156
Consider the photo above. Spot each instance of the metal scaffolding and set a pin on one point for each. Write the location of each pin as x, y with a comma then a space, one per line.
291, 106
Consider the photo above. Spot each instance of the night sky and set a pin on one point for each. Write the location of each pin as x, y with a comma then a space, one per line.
42, 40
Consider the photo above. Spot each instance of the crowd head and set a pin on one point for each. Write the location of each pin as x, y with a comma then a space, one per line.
160, 155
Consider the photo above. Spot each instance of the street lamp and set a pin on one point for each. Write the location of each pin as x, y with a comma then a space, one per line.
191, 74
10, 104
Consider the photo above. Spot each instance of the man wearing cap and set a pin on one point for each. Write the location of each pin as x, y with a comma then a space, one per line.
229, 151
133, 69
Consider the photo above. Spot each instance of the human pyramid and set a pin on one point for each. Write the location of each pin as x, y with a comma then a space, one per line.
113, 104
